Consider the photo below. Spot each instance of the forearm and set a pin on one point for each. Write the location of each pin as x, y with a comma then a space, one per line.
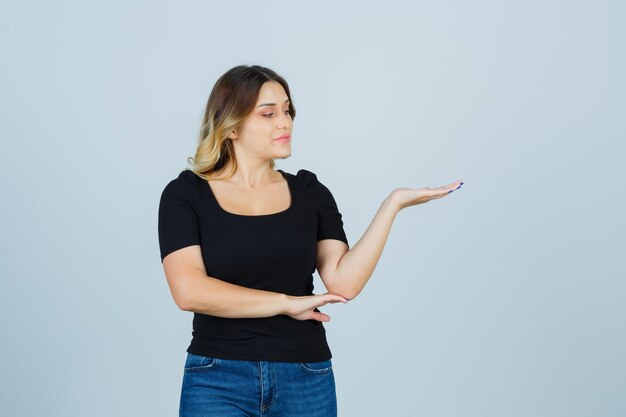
212, 296
357, 265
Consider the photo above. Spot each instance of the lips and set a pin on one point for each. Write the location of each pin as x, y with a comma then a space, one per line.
285, 136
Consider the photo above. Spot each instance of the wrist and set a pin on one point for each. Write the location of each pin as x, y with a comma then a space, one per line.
284, 303
392, 203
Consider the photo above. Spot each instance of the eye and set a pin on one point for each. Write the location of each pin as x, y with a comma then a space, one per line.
269, 115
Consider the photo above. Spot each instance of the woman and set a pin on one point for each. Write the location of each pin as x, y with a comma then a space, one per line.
239, 243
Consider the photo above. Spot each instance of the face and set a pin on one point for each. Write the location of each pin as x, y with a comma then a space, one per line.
256, 138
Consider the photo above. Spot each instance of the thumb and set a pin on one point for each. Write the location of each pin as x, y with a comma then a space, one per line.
319, 316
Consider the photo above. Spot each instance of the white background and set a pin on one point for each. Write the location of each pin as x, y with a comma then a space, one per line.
505, 298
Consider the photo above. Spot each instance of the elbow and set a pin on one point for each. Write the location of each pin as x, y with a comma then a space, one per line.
347, 293
184, 290
350, 295
183, 305
183, 301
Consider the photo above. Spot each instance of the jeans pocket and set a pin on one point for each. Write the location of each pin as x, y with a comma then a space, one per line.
195, 363
318, 368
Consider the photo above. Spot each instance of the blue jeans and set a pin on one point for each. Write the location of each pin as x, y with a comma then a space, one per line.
234, 388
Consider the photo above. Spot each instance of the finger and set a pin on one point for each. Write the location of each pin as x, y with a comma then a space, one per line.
333, 298
320, 316
452, 186
324, 301
447, 189
455, 187
440, 192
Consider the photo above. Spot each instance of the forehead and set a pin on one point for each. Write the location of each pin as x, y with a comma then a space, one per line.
272, 93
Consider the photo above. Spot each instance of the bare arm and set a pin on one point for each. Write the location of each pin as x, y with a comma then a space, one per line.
193, 290
219, 298
355, 266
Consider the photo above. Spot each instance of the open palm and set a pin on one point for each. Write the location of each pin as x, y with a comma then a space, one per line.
405, 197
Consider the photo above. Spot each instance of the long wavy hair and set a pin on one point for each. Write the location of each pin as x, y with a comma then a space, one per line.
231, 101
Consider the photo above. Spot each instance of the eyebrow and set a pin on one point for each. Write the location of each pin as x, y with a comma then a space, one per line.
270, 104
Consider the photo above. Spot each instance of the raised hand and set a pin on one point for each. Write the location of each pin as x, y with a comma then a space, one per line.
303, 307
405, 197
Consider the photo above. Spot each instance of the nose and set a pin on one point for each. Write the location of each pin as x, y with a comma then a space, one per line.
284, 120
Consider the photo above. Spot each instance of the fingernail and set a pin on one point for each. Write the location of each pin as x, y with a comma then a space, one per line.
450, 191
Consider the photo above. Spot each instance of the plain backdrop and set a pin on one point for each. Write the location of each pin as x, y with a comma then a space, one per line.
505, 298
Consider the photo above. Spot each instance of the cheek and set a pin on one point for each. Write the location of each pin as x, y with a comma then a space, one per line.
261, 126
266, 130
256, 129
259, 135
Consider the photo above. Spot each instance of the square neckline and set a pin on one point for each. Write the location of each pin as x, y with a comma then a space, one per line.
288, 209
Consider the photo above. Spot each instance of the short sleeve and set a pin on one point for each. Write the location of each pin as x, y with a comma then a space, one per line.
178, 221
330, 223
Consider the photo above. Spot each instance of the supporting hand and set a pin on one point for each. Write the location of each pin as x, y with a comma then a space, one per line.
302, 308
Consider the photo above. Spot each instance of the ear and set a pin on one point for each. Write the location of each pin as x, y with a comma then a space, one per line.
233, 134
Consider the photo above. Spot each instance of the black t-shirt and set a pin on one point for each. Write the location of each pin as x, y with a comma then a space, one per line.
273, 252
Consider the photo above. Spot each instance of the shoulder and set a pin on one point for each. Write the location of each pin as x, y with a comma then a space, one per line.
185, 184
303, 177
314, 188
307, 178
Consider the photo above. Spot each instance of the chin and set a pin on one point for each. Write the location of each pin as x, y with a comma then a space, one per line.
284, 156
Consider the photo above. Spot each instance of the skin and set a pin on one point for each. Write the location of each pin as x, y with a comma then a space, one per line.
344, 271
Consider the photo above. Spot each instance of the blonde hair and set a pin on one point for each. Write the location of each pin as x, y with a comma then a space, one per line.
232, 99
